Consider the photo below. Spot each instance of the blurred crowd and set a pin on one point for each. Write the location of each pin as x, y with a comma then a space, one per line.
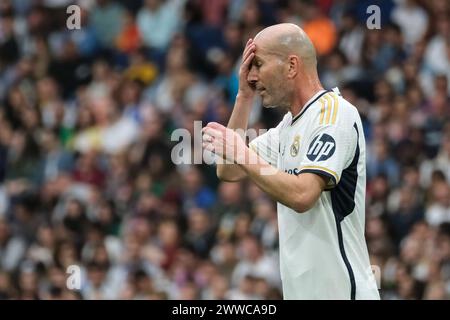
86, 117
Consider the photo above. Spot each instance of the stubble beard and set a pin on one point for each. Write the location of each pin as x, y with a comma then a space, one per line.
283, 103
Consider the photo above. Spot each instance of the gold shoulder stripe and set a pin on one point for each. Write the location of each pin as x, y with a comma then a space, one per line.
335, 110
330, 106
322, 111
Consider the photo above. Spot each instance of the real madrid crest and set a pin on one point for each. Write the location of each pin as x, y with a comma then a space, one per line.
295, 147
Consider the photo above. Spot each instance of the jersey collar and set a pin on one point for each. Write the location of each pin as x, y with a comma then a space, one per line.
308, 104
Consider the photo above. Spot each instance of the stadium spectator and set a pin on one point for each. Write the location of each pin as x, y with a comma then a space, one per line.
86, 118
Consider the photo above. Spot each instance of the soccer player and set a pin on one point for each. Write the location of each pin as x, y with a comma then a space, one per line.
312, 164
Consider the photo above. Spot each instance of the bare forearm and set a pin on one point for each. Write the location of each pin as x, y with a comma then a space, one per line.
277, 185
238, 121
241, 113
296, 192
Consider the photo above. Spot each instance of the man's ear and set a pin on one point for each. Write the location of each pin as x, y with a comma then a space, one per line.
294, 66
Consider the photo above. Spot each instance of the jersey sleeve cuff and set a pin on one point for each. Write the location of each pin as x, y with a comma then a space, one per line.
324, 172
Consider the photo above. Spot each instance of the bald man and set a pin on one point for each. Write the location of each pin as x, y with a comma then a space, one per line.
312, 164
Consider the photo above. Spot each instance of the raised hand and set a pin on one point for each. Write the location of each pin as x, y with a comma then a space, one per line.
224, 142
245, 89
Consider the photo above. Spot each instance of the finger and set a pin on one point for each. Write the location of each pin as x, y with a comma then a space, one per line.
216, 134
216, 126
208, 146
248, 47
249, 59
207, 138
249, 42
248, 51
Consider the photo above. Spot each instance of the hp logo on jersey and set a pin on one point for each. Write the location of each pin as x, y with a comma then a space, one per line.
321, 148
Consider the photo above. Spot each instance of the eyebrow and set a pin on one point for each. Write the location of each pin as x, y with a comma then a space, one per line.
257, 59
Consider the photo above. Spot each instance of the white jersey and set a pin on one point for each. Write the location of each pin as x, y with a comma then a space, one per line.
323, 253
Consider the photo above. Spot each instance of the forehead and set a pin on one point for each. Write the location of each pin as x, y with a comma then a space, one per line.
265, 48
262, 44
266, 54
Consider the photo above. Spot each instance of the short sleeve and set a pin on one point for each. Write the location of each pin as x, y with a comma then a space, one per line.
266, 146
331, 149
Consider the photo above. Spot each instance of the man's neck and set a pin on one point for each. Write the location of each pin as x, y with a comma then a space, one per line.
303, 96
